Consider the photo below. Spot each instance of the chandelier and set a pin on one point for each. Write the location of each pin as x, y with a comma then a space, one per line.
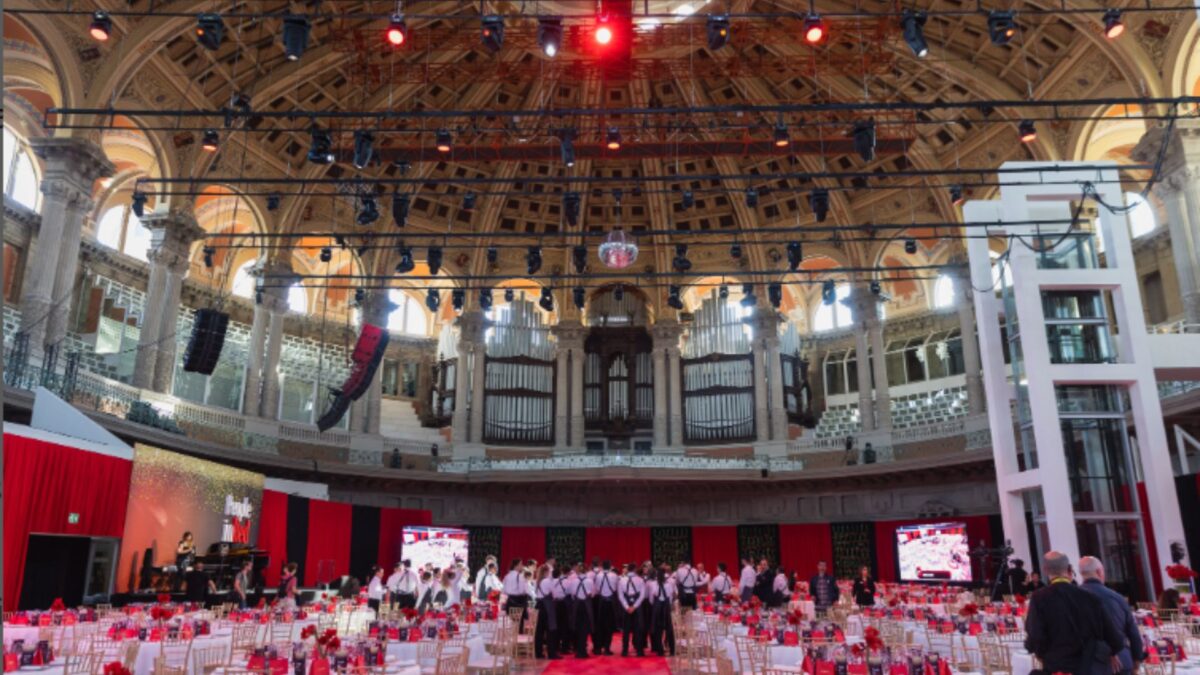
617, 251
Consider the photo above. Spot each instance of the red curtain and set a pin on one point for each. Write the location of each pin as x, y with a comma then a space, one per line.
522, 542
802, 546
272, 534
715, 544
43, 484
391, 532
1148, 526
617, 544
328, 541
978, 530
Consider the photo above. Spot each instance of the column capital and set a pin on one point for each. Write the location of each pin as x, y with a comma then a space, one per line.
171, 237
471, 326
1183, 148
766, 324
570, 334
864, 304
75, 159
377, 307
666, 333
278, 276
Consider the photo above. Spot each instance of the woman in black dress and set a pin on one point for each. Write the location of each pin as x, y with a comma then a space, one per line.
864, 588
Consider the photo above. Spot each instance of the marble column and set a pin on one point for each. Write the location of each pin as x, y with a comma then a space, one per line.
171, 238
71, 167
562, 364
568, 388
252, 391
659, 358
577, 359
1179, 190
883, 397
964, 300
675, 376
665, 336
873, 409
276, 275
478, 384
470, 330
767, 323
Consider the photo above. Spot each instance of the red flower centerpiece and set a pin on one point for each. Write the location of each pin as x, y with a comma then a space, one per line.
494, 597
58, 606
1181, 573
164, 598
969, 610
872, 639
116, 668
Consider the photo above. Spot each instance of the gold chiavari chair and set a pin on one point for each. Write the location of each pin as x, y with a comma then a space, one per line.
499, 661
451, 664
940, 643
245, 637
162, 668
128, 652
428, 653
705, 661
281, 631
752, 654
205, 660
82, 664
1165, 666
524, 644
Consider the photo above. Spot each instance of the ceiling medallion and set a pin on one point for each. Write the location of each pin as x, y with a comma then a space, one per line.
617, 251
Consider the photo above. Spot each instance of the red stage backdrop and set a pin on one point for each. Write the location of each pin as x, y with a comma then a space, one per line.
43, 484
803, 545
619, 545
170, 493
272, 534
521, 542
391, 529
716, 544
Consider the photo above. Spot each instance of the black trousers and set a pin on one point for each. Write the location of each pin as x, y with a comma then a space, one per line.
406, 600
581, 625
632, 628
562, 618
605, 623
373, 604
645, 612
661, 628
687, 599
545, 634
521, 601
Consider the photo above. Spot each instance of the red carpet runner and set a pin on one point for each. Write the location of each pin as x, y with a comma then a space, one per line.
607, 665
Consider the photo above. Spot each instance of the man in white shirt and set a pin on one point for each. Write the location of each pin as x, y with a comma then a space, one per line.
375, 588
632, 594
686, 581
748, 579
781, 592
721, 584
403, 585
702, 578
481, 574
515, 587
486, 582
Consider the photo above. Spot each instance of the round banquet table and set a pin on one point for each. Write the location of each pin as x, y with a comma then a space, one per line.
806, 607
405, 653
149, 651
13, 632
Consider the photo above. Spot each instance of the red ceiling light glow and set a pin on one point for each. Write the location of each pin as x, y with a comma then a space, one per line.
814, 29
397, 31
604, 33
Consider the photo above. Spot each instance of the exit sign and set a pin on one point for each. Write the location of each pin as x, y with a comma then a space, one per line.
72, 518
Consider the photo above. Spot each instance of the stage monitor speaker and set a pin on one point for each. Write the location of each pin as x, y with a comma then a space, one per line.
337, 408
368, 352
208, 338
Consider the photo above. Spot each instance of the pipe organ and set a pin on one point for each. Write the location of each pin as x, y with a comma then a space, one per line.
797, 395
618, 375
519, 376
718, 374
441, 403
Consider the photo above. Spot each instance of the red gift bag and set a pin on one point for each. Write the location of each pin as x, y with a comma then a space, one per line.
898, 669
919, 614
824, 667
857, 669
11, 663
818, 634
947, 627
393, 633
975, 628
839, 636
279, 667
44, 620
130, 634
791, 639
414, 634
255, 663
70, 620
320, 666
156, 634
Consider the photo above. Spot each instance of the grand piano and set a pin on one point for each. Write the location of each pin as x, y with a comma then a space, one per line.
222, 562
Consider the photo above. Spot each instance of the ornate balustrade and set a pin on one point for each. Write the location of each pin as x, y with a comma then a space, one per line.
585, 462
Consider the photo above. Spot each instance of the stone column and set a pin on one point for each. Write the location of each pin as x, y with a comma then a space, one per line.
375, 312
862, 305
470, 330
576, 395
665, 335
561, 411
659, 358
675, 376
275, 275
172, 235
964, 300
878, 365
1179, 189
71, 167
252, 391
568, 387
478, 384
767, 322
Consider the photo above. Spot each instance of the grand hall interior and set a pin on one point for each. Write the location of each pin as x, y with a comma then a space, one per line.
390, 337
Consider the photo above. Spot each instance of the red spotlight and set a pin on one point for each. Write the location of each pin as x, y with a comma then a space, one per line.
604, 34
814, 29
397, 31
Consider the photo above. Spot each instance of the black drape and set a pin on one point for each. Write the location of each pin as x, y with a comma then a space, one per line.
364, 540
297, 531
1188, 489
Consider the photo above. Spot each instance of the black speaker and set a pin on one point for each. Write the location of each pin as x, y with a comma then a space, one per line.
338, 406
368, 352
208, 338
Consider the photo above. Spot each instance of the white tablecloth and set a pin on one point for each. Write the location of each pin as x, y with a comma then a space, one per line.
14, 632
406, 652
807, 607
149, 651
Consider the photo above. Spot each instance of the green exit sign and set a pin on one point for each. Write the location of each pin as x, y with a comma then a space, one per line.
72, 518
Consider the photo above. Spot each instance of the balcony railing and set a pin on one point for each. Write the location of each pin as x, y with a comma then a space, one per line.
592, 462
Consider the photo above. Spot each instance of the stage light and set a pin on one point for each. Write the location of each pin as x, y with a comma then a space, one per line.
340, 241
485, 299
138, 205
369, 213
400, 203
209, 252
673, 299
681, 262
397, 31
457, 296
735, 251
360, 296
604, 33
491, 32
579, 258
445, 142
101, 26
364, 148
433, 257
1001, 27
326, 254
748, 297
546, 302
781, 136
509, 295
580, 296
828, 292
613, 139
689, 199
1113, 25
433, 300
273, 201
956, 195
619, 293
718, 32
212, 141
321, 149
913, 26
549, 36
533, 260
407, 263
468, 203
295, 36
814, 29
568, 151
775, 294
876, 288
571, 207
751, 198
492, 255
795, 255
210, 31
723, 292
1028, 131
818, 200
910, 246
864, 139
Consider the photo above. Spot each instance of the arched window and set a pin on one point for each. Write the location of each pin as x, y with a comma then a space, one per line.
120, 230
837, 315
297, 299
1141, 215
409, 316
243, 283
943, 292
20, 172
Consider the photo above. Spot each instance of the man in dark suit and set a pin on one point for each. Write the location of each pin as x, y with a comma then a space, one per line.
823, 588
1118, 611
1067, 628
